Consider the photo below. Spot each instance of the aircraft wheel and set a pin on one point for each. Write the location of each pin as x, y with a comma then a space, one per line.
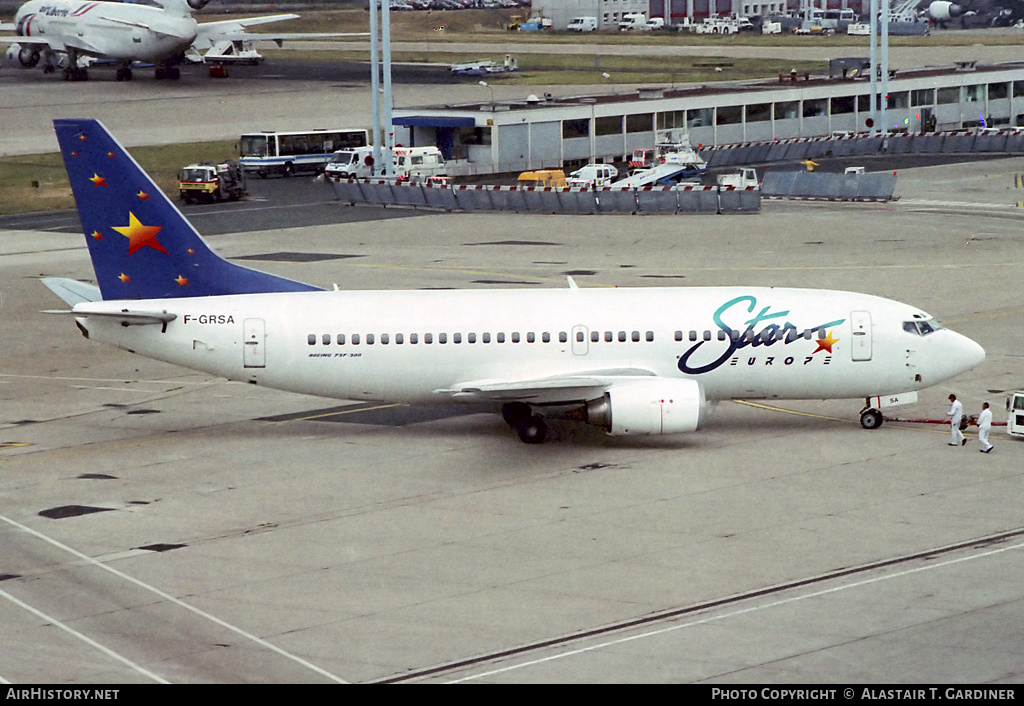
124, 74
871, 419
289, 169
533, 430
515, 413
174, 73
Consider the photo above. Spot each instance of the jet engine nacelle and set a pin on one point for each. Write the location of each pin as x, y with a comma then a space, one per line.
943, 10
657, 406
22, 57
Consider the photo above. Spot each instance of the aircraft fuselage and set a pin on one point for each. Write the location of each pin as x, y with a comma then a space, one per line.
419, 346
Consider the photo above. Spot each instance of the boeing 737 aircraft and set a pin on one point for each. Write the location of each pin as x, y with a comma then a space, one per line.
123, 33
633, 361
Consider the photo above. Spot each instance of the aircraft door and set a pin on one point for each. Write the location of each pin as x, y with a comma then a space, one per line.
860, 325
580, 340
253, 342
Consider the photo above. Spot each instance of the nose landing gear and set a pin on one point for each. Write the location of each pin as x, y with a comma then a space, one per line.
532, 428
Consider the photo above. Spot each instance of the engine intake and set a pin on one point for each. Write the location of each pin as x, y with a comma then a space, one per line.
656, 406
22, 57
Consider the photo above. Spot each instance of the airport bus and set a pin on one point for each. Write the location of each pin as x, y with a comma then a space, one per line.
286, 153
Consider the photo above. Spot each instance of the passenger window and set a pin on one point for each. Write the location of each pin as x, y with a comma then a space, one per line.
384, 339
562, 338
471, 338
399, 339
609, 336
501, 338
679, 335
311, 339
369, 339
595, 336
515, 337
635, 336
622, 336
428, 338
649, 336
341, 339
487, 338
707, 335
545, 337
355, 339
693, 335
456, 338
531, 337
414, 338
442, 338
327, 339
721, 335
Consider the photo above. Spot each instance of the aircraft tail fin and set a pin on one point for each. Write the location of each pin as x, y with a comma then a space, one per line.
141, 245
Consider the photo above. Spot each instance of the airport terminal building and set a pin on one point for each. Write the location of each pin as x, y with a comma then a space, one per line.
545, 131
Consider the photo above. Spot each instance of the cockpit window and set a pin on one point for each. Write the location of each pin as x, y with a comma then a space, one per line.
922, 327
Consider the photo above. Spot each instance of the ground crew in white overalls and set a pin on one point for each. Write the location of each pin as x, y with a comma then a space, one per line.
955, 414
985, 427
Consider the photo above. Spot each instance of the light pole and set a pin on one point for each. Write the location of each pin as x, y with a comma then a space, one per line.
485, 85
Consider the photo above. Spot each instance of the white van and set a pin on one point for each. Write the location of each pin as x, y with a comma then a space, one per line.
633, 20
410, 164
583, 24
354, 163
593, 175
416, 164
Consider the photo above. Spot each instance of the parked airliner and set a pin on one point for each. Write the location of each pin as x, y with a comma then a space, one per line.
633, 361
123, 33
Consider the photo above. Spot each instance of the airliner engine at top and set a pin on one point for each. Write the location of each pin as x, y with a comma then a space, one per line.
123, 33
633, 361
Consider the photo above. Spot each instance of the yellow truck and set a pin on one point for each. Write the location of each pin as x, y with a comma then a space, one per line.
542, 178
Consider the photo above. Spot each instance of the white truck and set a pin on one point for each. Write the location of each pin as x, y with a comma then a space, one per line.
582, 24
593, 175
718, 25
1015, 414
742, 178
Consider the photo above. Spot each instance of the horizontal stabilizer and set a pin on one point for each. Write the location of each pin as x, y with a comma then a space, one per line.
72, 291
126, 317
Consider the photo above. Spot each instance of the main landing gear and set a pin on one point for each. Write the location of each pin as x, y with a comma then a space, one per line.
532, 428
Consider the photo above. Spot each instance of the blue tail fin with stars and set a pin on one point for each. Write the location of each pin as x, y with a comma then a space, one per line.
141, 245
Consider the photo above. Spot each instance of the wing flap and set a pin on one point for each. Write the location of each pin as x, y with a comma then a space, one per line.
556, 389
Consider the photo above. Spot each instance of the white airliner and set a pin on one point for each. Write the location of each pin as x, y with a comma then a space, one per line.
123, 33
633, 361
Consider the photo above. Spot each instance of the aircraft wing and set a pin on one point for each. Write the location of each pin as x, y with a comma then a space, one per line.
234, 31
33, 42
556, 389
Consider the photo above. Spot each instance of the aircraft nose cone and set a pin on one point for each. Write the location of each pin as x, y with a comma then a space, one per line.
974, 354
965, 354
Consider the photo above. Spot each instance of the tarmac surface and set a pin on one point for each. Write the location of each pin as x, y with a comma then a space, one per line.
162, 525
